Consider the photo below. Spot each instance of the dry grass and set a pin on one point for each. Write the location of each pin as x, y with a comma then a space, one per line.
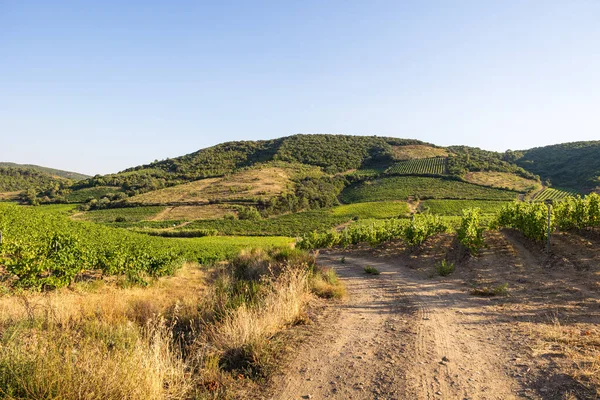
579, 344
98, 341
412, 152
179, 338
259, 182
252, 326
9, 196
503, 180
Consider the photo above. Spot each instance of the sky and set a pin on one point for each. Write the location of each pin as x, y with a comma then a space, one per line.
100, 86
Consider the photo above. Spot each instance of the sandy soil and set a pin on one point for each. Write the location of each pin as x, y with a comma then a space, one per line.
410, 334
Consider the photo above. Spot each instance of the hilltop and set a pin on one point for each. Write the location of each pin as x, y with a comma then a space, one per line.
57, 173
573, 165
303, 172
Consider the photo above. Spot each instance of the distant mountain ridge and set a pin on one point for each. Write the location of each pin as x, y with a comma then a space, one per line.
343, 160
50, 171
574, 165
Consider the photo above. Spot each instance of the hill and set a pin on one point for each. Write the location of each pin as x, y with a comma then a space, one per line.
49, 171
573, 165
332, 154
19, 179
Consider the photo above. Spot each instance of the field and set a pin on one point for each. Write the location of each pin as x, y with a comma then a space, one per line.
190, 213
423, 166
503, 180
250, 184
403, 187
129, 214
552, 194
416, 151
456, 207
82, 195
283, 225
378, 209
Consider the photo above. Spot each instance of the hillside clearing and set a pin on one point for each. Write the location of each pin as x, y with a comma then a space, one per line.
243, 185
503, 180
412, 152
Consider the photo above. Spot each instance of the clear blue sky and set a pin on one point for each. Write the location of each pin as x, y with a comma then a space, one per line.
99, 86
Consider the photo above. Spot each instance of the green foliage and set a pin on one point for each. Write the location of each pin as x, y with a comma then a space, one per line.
47, 250
472, 159
570, 213
470, 232
371, 270
570, 165
15, 179
577, 212
456, 207
285, 225
86, 194
413, 232
333, 153
529, 218
422, 166
500, 290
377, 210
48, 171
339, 153
444, 268
249, 213
129, 214
402, 187
552, 194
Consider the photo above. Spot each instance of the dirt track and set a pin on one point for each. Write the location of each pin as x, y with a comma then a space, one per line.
399, 336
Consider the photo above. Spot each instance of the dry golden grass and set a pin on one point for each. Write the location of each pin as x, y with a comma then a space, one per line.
190, 213
9, 196
176, 339
99, 341
412, 152
252, 326
503, 180
262, 182
579, 344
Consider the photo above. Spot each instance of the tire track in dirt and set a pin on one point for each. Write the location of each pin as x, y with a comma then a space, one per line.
404, 337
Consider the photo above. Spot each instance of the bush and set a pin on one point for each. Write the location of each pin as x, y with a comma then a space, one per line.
371, 270
469, 234
444, 268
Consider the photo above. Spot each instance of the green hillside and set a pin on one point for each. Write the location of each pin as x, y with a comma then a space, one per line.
569, 165
402, 187
49, 171
17, 179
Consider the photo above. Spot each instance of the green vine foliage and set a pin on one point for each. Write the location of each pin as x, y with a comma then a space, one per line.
45, 251
470, 233
413, 232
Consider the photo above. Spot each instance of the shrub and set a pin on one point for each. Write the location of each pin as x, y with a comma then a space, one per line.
371, 270
444, 268
469, 234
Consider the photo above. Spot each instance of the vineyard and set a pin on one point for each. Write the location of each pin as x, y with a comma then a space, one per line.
552, 194
532, 218
403, 187
43, 250
456, 207
413, 232
423, 166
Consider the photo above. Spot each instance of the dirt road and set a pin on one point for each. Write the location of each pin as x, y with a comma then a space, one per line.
400, 335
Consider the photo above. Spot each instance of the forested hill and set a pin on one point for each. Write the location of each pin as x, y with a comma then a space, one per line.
334, 153
573, 165
18, 179
49, 171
